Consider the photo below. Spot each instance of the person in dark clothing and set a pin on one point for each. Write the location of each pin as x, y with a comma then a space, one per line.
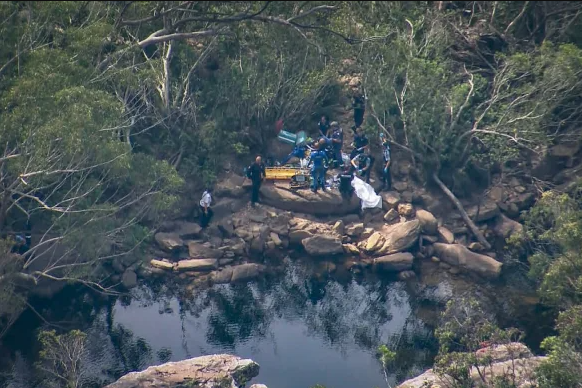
337, 140
386, 176
345, 186
323, 125
360, 142
359, 105
362, 163
256, 173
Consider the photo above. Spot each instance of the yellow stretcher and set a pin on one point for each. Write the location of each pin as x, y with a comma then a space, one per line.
297, 177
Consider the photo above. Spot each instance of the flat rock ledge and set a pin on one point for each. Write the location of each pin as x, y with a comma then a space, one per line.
219, 370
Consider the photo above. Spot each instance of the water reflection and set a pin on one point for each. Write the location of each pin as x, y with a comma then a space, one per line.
302, 327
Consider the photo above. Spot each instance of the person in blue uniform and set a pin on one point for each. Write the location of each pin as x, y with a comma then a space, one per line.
298, 151
318, 166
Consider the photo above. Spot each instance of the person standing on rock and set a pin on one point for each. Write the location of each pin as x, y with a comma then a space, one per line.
256, 173
323, 125
318, 164
206, 212
359, 105
386, 176
337, 140
345, 186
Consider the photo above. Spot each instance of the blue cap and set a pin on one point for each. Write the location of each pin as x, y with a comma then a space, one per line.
19, 238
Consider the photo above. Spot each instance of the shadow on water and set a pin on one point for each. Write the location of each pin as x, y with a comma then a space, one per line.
303, 327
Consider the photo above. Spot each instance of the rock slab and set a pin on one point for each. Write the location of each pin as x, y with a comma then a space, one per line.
220, 370
323, 245
396, 262
458, 255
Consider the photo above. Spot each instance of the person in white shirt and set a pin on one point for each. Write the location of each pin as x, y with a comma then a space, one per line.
205, 210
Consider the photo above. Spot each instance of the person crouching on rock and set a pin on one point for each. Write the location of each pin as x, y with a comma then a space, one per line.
206, 212
318, 163
362, 163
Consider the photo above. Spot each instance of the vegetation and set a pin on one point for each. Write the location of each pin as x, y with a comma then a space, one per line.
112, 110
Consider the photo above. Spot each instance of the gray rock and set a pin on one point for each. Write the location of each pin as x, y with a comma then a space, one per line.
321, 203
487, 211
339, 228
396, 262
246, 272
280, 224
297, 236
197, 265
524, 201
351, 219
223, 276
355, 230
169, 241
201, 251
399, 237
227, 228
219, 370
445, 235
129, 279
428, 222
187, 230
323, 245
505, 227
462, 257
391, 215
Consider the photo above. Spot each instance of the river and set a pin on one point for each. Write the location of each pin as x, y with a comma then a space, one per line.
304, 327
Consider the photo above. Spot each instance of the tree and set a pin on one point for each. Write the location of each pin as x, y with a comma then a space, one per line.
61, 357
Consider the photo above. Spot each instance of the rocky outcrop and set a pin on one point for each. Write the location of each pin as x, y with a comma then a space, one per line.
220, 370
201, 251
460, 256
307, 202
445, 235
514, 361
197, 265
485, 212
323, 245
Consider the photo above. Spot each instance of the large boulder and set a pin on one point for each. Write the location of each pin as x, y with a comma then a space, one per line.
396, 262
458, 255
201, 251
355, 230
187, 230
129, 279
169, 241
197, 265
219, 370
405, 209
323, 245
162, 264
391, 215
399, 237
246, 272
224, 276
428, 222
374, 242
307, 202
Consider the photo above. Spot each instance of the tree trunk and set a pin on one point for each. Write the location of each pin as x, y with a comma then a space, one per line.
464, 214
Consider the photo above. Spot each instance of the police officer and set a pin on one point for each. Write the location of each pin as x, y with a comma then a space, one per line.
337, 140
345, 187
386, 176
318, 165
362, 163
360, 142
256, 173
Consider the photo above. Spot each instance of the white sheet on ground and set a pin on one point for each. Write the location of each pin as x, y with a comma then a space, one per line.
367, 194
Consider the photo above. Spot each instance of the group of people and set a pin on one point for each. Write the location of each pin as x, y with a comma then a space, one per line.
326, 151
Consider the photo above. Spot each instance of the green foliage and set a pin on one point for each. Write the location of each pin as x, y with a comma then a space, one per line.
61, 357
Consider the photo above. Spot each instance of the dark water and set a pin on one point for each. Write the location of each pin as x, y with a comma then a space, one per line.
302, 327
